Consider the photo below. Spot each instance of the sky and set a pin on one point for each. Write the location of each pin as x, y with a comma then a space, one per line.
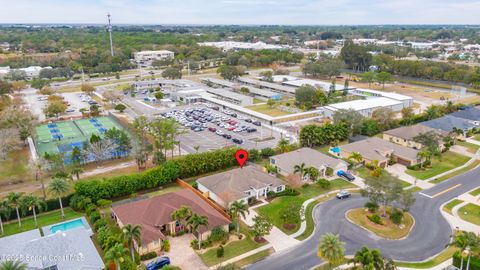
249, 12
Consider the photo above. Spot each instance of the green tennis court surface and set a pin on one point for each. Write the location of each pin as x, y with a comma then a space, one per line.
60, 135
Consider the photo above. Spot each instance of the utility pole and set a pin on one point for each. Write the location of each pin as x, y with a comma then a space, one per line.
109, 27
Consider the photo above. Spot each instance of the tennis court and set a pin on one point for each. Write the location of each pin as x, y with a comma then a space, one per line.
62, 137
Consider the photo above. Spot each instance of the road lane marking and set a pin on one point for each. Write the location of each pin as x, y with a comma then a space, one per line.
445, 191
428, 196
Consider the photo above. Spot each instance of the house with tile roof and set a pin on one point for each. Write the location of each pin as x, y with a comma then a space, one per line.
154, 215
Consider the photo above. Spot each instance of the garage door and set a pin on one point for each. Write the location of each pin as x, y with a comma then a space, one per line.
403, 161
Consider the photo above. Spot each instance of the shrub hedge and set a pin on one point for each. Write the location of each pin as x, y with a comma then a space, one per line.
474, 262
182, 167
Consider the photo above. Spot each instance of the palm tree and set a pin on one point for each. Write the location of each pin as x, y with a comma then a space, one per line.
76, 171
299, 169
237, 209
331, 249
181, 214
195, 222
13, 265
356, 157
14, 199
465, 241
369, 259
5, 211
59, 187
196, 147
32, 202
38, 166
312, 173
116, 255
283, 145
130, 234
423, 156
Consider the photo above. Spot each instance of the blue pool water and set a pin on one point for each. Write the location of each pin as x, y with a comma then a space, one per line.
336, 149
68, 225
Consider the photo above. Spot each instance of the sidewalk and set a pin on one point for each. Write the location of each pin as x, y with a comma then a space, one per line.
458, 222
399, 171
243, 256
475, 157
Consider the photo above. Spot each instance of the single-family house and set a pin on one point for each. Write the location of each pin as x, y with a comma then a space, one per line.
406, 135
381, 150
286, 162
241, 184
154, 215
472, 114
450, 123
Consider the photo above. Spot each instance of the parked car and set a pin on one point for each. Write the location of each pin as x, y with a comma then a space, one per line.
248, 120
250, 130
343, 194
346, 175
227, 136
158, 263
212, 129
239, 141
219, 133
257, 123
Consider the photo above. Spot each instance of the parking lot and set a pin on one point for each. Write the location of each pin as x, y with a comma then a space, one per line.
220, 129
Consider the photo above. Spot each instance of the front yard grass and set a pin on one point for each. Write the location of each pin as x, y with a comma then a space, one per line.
388, 230
455, 173
472, 148
470, 213
43, 219
273, 209
232, 249
254, 258
440, 258
449, 160
449, 206
475, 192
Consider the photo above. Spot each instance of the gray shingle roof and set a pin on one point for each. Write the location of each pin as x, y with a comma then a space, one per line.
69, 250
409, 132
470, 114
308, 156
375, 148
448, 123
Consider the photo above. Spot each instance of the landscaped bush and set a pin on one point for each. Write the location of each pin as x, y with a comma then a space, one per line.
371, 206
99, 224
204, 244
90, 208
148, 256
220, 251
166, 245
287, 192
254, 155
102, 235
329, 171
94, 216
396, 216
267, 152
104, 203
218, 234
183, 167
375, 219
79, 203
323, 183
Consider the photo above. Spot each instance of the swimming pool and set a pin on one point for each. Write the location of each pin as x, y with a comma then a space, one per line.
72, 224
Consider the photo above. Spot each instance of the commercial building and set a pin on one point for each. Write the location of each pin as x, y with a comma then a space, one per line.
230, 96
145, 58
380, 150
187, 96
268, 85
263, 94
365, 106
241, 184
154, 215
236, 46
64, 250
406, 100
325, 86
286, 162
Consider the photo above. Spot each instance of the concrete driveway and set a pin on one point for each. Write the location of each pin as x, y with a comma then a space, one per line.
182, 255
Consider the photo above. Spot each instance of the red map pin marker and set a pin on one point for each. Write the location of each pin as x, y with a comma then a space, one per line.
241, 156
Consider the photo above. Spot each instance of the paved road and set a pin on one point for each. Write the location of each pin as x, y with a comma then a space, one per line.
429, 236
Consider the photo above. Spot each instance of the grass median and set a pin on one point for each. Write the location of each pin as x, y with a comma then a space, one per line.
449, 206
470, 213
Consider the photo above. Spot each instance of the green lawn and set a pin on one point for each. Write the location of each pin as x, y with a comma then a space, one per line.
449, 206
472, 148
272, 210
449, 160
254, 258
440, 258
477, 137
265, 109
455, 173
475, 192
43, 219
470, 213
232, 250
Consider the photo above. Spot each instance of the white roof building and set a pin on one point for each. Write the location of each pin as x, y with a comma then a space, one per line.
318, 84
365, 106
406, 100
233, 45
